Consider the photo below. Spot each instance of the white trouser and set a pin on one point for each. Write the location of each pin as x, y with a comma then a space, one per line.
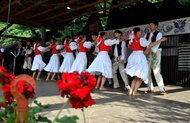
154, 62
120, 66
27, 63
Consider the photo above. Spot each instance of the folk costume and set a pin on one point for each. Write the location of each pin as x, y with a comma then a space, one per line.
68, 57
38, 63
80, 62
119, 54
102, 62
154, 61
137, 63
54, 62
28, 57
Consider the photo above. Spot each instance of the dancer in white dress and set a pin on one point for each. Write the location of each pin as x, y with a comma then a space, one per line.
38, 63
68, 57
137, 65
80, 62
102, 62
54, 63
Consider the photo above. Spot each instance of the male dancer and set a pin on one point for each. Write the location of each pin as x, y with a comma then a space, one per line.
28, 57
119, 52
154, 59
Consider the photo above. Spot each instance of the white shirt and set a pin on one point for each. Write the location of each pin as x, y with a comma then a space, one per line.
110, 42
123, 51
28, 51
158, 37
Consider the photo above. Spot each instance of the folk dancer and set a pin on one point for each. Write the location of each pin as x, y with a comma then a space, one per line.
54, 63
68, 56
137, 65
28, 49
80, 62
38, 63
119, 61
154, 59
102, 62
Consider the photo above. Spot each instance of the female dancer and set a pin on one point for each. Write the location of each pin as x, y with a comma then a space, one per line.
38, 64
68, 57
54, 63
80, 62
137, 63
102, 62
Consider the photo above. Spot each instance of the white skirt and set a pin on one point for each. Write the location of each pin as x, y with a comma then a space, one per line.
67, 63
54, 64
80, 63
137, 65
102, 64
38, 64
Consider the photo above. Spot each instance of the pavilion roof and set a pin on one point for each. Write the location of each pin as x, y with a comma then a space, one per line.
53, 14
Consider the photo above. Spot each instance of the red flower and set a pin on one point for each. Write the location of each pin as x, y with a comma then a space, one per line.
78, 103
81, 93
5, 82
78, 87
88, 101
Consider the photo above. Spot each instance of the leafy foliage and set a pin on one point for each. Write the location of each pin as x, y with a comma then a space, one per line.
71, 30
185, 2
15, 30
67, 119
9, 113
40, 104
2, 99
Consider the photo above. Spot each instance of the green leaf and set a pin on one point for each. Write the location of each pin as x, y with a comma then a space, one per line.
34, 111
31, 114
0, 85
3, 114
43, 119
40, 104
67, 119
2, 100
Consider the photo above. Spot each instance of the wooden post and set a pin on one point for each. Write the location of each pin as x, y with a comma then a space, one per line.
43, 32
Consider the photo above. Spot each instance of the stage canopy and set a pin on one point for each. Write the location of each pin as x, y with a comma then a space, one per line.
53, 14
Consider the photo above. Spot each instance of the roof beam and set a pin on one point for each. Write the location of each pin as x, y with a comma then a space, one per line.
5, 28
88, 13
6, 7
81, 21
52, 9
72, 10
29, 8
26, 22
92, 12
16, 37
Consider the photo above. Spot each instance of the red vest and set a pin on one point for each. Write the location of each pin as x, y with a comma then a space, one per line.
135, 45
81, 47
54, 50
103, 47
68, 50
36, 51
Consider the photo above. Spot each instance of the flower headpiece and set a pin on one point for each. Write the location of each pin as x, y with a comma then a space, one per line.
77, 39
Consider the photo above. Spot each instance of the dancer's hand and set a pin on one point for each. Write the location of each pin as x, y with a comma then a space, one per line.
163, 39
147, 51
95, 53
121, 61
129, 46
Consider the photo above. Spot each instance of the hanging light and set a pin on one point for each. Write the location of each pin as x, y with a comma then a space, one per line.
68, 7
